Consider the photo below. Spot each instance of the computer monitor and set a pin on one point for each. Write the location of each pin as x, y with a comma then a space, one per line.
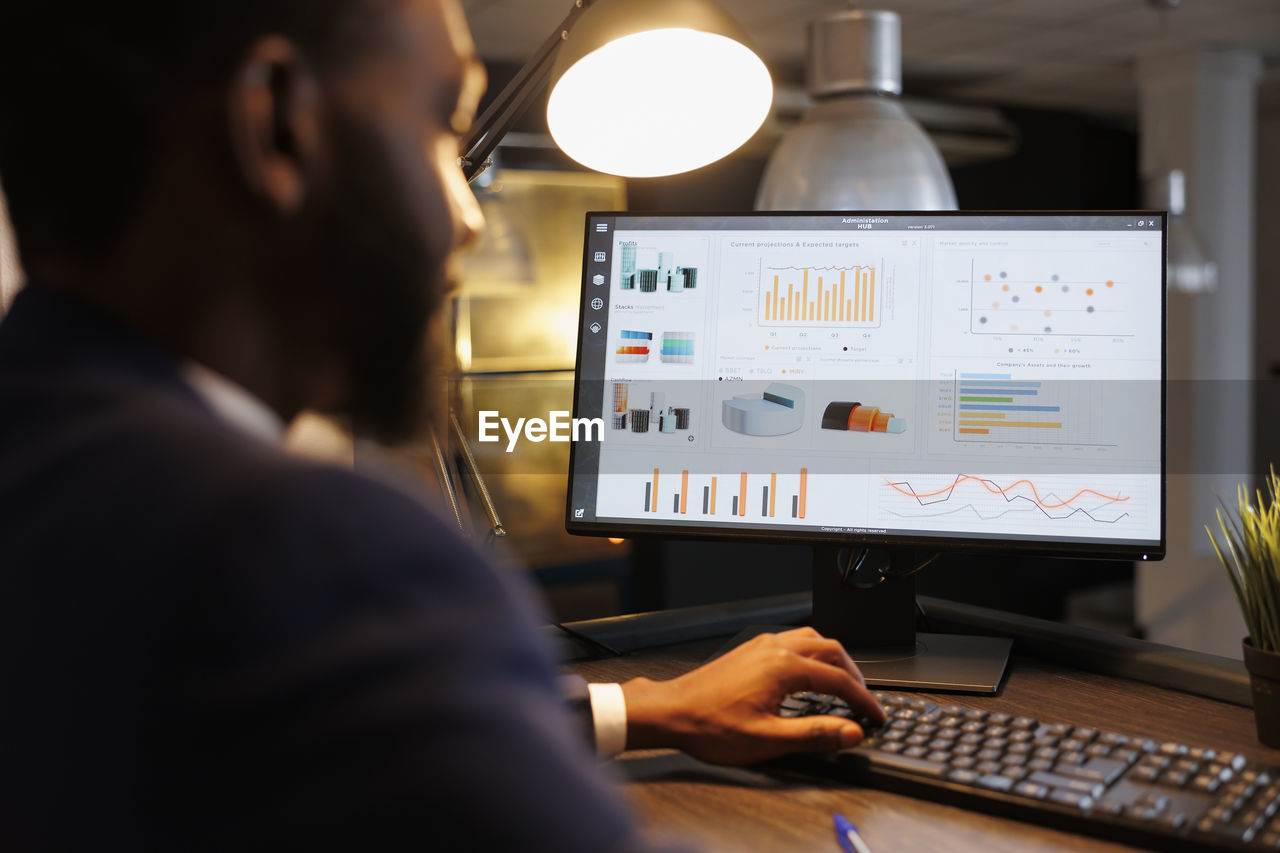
905, 383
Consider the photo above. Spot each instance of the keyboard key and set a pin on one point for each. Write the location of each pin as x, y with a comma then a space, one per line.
1125, 754
1100, 750
976, 715
1080, 786
908, 764
891, 746
939, 756
964, 762
987, 767
1173, 749
964, 776
1025, 723
1032, 790
1012, 759
1039, 764
1145, 774
989, 755
964, 749
915, 752
1102, 770
1173, 778
996, 783
1070, 798
1017, 774
1206, 783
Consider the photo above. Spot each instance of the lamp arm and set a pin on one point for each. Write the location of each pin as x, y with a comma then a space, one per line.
515, 98
496, 528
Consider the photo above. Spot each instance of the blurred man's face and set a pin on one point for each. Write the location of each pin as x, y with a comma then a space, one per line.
381, 232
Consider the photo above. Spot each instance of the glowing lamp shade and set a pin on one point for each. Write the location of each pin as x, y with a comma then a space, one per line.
655, 87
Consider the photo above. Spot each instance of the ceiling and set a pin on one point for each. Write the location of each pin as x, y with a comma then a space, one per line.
1073, 54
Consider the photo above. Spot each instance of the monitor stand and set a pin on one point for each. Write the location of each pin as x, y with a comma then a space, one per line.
873, 614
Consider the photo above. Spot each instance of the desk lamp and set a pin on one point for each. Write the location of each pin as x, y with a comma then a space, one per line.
639, 88
856, 148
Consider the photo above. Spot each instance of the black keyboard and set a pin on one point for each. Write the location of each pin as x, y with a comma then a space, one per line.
1168, 796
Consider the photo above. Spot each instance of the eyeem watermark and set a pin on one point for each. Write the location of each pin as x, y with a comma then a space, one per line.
560, 427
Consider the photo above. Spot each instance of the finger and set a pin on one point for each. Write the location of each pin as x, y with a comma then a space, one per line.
805, 673
806, 631
827, 650
814, 734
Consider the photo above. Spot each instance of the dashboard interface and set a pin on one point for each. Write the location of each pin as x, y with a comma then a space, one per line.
901, 378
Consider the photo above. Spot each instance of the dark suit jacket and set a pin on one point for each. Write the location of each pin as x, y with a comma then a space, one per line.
206, 643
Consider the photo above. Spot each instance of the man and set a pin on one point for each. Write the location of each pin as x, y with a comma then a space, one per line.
228, 212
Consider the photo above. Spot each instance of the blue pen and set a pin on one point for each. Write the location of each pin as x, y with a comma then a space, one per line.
847, 835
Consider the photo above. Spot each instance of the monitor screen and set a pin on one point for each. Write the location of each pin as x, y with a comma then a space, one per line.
972, 380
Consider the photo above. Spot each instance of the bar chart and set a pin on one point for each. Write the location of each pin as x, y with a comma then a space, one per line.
850, 296
749, 495
994, 405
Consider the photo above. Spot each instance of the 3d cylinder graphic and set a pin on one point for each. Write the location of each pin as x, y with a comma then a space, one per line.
857, 417
778, 411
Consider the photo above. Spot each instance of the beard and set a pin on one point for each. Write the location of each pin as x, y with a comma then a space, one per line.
374, 286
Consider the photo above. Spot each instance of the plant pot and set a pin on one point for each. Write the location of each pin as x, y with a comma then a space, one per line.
1264, 675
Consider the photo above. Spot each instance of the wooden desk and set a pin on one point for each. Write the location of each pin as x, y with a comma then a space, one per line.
713, 808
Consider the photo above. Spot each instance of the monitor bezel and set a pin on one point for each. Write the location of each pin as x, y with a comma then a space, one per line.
1088, 550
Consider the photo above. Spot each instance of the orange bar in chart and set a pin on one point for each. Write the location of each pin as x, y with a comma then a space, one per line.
804, 301
871, 300
773, 493
819, 300
848, 309
791, 305
713, 495
972, 431
804, 483
857, 290
654, 508
742, 494
684, 492
842, 315
775, 298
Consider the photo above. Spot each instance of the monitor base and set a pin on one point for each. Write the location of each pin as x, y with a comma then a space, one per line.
955, 663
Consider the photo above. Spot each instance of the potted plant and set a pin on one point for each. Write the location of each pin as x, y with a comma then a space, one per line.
1251, 542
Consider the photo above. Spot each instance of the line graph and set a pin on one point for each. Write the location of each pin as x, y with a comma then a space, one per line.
1112, 505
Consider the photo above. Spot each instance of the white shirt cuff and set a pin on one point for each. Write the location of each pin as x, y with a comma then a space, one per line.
609, 715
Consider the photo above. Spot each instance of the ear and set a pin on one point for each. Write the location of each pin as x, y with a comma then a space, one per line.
274, 113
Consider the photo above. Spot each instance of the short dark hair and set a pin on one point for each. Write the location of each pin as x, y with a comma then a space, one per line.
85, 85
